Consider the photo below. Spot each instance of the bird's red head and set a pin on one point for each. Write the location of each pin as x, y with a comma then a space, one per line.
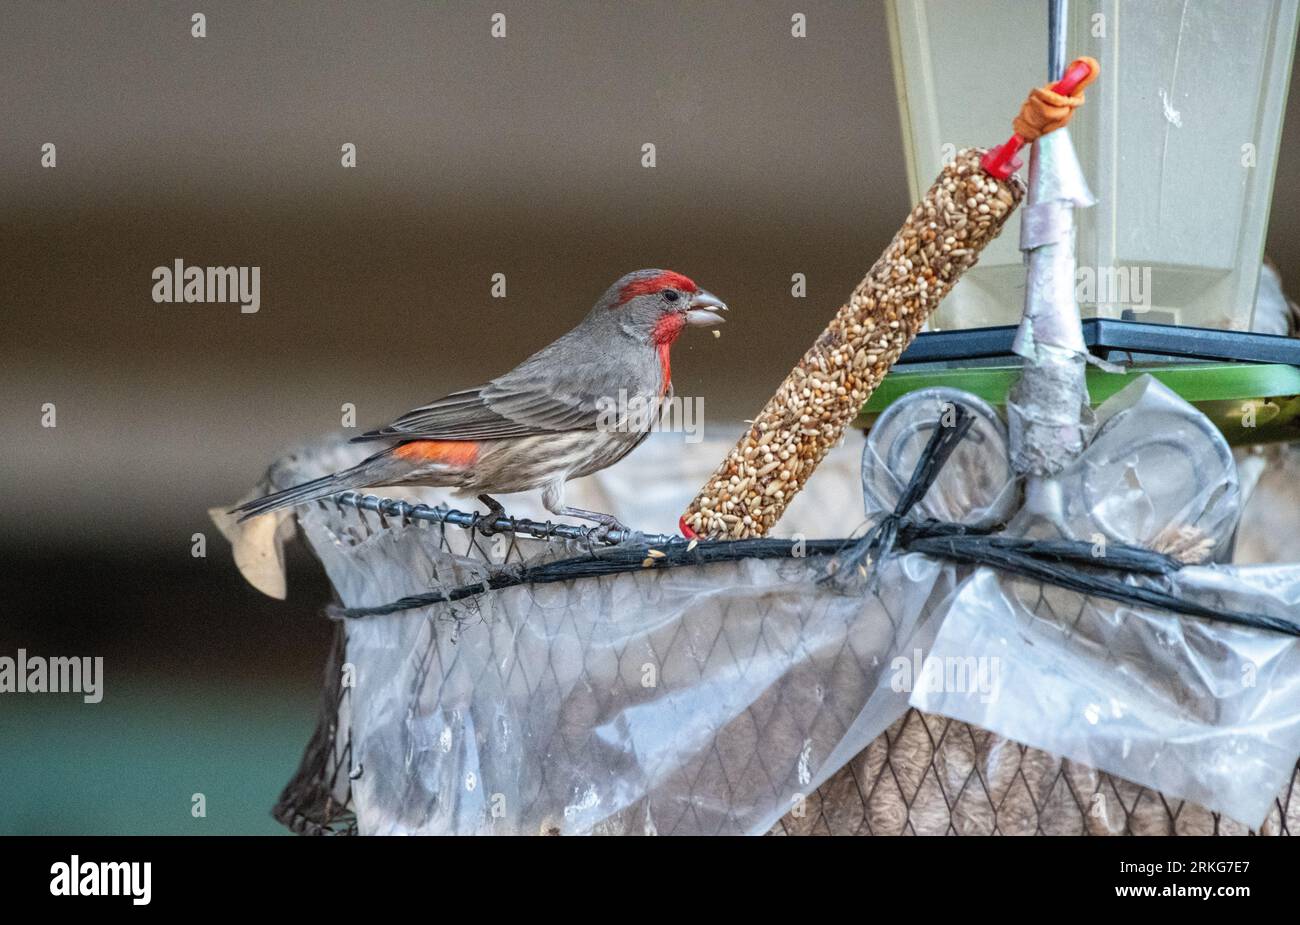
651, 282
659, 304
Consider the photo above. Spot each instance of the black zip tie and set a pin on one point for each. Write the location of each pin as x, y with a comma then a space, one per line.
866, 554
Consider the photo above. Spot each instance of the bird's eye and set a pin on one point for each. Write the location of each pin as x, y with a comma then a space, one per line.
671, 295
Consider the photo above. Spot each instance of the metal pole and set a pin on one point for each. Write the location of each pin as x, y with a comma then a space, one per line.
1057, 10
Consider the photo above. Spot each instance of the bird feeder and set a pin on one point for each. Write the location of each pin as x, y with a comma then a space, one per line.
1179, 144
1039, 629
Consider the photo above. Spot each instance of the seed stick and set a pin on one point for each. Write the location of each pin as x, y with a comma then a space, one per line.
943, 236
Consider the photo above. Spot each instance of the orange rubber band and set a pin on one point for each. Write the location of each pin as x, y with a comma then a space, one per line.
1046, 110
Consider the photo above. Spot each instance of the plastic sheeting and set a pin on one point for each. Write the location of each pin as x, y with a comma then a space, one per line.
695, 701
689, 701
1196, 709
715, 699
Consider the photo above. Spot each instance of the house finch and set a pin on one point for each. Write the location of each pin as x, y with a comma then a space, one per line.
560, 414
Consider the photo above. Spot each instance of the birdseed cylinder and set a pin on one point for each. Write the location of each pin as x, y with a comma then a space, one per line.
943, 236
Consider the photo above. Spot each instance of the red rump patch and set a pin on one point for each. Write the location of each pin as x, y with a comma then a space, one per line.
665, 280
456, 453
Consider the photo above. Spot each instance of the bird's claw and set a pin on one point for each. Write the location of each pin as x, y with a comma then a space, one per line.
486, 523
606, 524
600, 533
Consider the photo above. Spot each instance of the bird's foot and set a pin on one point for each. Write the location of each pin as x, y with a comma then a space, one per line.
608, 523
486, 523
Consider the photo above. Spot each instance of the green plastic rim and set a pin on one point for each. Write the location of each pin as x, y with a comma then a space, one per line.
1198, 382
1222, 391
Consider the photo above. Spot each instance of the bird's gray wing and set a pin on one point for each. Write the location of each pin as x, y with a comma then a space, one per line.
512, 406
568, 385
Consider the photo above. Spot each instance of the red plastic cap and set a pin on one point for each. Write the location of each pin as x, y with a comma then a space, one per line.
1081, 72
1001, 162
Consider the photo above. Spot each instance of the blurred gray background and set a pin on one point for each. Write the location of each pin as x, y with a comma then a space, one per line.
475, 156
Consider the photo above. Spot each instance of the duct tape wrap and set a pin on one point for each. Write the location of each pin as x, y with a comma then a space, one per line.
1048, 412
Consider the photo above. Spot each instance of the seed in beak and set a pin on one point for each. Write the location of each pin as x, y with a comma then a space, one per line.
702, 318
698, 312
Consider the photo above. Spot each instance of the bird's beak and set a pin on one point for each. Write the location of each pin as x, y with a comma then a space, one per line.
698, 314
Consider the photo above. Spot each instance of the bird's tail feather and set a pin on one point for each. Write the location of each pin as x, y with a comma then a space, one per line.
358, 476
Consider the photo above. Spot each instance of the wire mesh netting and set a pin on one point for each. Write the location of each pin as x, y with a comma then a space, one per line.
930, 775
753, 696
520, 713
923, 774
317, 800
